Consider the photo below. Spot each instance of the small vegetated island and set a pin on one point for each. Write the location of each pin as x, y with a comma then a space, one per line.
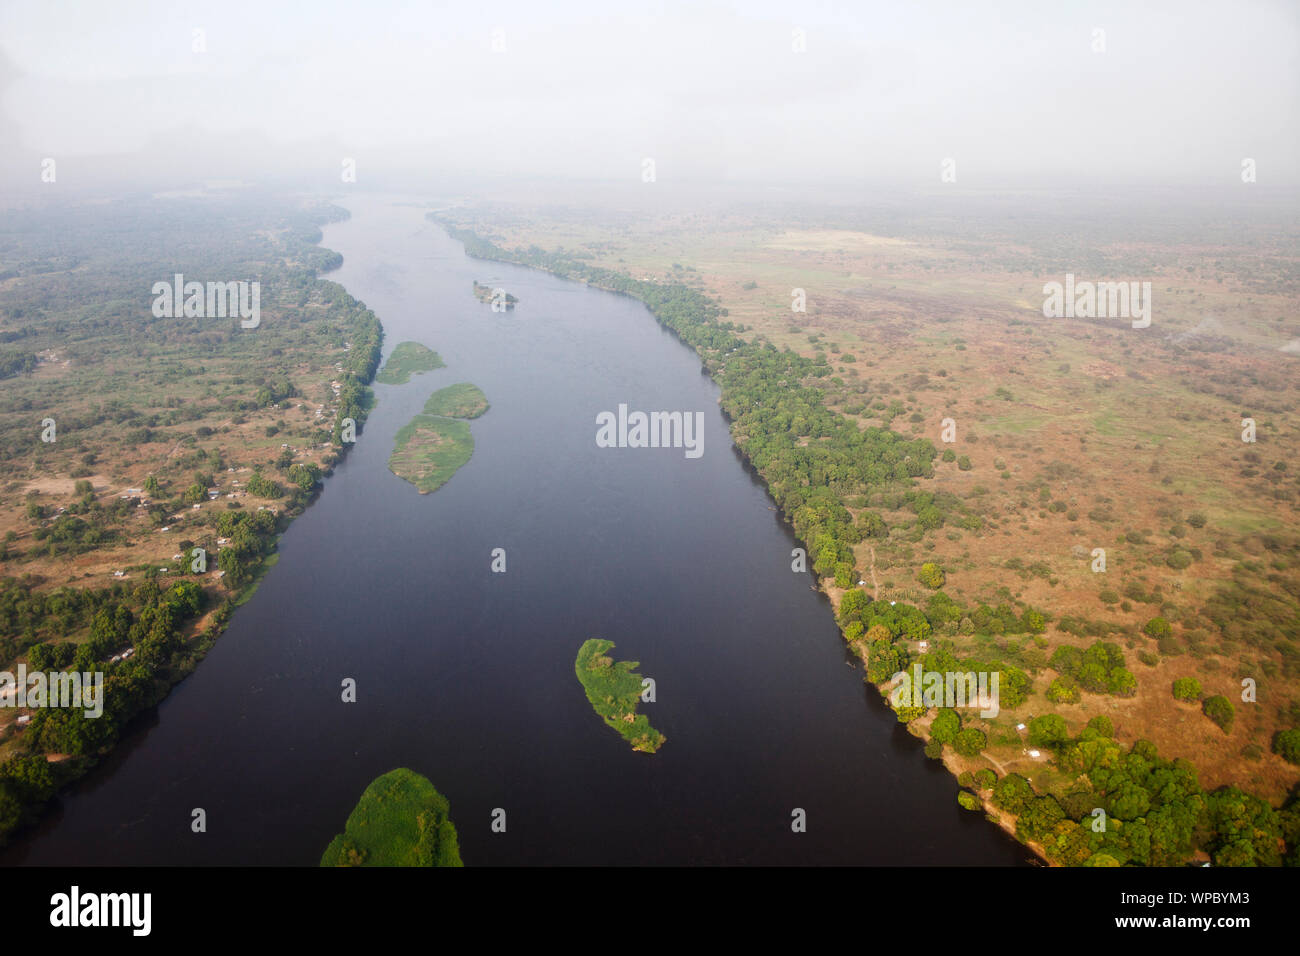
485, 293
435, 444
614, 689
408, 358
400, 820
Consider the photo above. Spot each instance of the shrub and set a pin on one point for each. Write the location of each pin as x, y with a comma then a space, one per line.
1287, 745
1219, 709
1187, 688
1158, 628
963, 463
985, 778
1103, 725
931, 575
934, 750
1064, 690
1121, 682
969, 800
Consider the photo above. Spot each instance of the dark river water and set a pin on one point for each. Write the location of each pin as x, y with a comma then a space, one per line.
466, 676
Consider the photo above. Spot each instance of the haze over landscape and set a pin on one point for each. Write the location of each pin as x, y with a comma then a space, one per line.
709, 433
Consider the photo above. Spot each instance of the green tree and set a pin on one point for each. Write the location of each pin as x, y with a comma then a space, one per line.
1187, 689
945, 726
970, 742
1048, 730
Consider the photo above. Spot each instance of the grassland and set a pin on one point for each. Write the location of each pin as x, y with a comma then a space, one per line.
436, 444
400, 820
462, 400
613, 690
428, 450
407, 359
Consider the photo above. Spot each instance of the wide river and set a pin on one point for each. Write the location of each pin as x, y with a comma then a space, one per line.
466, 675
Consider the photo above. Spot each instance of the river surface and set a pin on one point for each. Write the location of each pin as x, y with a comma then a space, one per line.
466, 675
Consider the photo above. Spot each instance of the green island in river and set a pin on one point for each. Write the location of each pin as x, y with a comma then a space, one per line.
400, 820
613, 689
435, 444
408, 358
485, 293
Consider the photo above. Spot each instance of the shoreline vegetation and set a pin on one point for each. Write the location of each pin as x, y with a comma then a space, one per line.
1156, 810
488, 294
400, 820
407, 359
430, 448
170, 622
613, 690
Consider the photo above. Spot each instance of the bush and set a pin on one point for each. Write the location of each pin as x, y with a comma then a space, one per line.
934, 750
1122, 683
1219, 709
985, 779
1064, 690
1158, 628
969, 800
931, 575
1187, 689
1102, 725
1287, 745
963, 463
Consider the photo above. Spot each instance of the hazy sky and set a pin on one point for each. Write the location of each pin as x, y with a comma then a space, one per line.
1012, 91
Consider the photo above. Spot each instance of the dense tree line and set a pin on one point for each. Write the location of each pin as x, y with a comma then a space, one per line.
150, 619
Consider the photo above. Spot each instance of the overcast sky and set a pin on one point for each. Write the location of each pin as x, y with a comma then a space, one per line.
1013, 91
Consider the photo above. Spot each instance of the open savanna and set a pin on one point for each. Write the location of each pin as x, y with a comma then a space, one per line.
1070, 434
